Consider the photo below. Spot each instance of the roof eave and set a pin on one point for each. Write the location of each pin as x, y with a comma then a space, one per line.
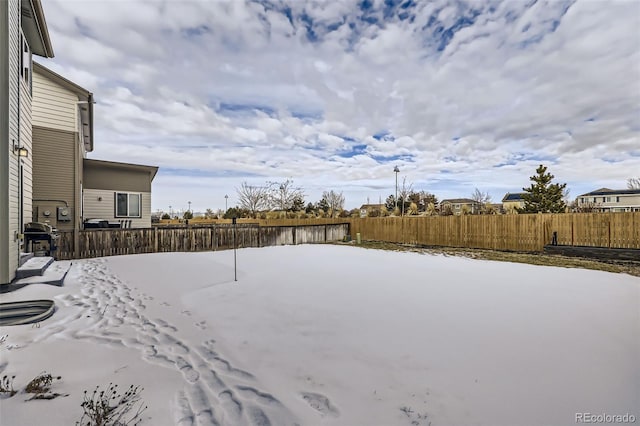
35, 29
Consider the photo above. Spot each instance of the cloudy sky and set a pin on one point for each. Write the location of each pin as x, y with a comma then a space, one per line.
334, 94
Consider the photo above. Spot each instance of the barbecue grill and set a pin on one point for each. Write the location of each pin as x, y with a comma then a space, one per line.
38, 233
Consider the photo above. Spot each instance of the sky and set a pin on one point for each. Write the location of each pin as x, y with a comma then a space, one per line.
334, 94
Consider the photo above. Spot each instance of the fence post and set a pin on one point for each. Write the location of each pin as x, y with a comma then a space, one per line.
155, 240
259, 234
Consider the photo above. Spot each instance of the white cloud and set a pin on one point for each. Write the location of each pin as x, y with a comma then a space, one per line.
270, 90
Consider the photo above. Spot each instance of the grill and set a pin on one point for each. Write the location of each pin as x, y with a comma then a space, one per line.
37, 235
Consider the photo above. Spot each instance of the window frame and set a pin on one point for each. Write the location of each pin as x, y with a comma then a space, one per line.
128, 214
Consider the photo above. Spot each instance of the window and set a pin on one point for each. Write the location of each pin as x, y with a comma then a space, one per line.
128, 204
608, 199
25, 61
617, 199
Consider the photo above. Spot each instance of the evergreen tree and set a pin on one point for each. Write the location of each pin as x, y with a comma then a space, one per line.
543, 196
390, 202
323, 204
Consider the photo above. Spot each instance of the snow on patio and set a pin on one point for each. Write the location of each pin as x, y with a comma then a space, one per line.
332, 335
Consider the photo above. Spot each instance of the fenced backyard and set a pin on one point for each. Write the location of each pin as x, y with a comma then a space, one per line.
523, 233
113, 242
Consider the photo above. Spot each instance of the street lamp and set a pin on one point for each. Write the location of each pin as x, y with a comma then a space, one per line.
226, 197
189, 202
396, 171
170, 213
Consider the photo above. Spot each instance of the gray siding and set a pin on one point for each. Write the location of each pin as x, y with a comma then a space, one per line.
100, 177
4, 136
100, 204
55, 171
9, 246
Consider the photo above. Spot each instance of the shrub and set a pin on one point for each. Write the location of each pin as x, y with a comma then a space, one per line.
6, 386
40, 387
110, 408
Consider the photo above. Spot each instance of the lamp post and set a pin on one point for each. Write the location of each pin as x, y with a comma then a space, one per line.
189, 202
396, 170
226, 197
170, 213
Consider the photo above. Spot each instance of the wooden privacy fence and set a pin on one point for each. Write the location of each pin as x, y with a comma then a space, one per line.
525, 232
112, 242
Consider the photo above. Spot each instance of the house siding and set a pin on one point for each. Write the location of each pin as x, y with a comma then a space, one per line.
26, 141
100, 204
55, 173
54, 106
104, 177
10, 76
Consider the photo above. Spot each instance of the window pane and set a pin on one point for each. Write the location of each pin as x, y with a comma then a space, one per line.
134, 205
121, 204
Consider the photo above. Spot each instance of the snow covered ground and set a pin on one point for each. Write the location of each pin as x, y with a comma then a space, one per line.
332, 335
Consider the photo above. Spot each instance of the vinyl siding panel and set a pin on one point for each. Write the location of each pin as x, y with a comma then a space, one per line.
10, 246
54, 170
5, 119
54, 106
27, 142
104, 177
94, 208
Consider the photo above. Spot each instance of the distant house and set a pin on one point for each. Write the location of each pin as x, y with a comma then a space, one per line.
611, 200
69, 188
460, 206
23, 33
118, 192
513, 201
366, 209
62, 136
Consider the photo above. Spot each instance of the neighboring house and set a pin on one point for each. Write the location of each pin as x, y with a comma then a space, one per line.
496, 208
23, 33
460, 206
365, 209
611, 200
118, 192
69, 188
62, 136
513, 201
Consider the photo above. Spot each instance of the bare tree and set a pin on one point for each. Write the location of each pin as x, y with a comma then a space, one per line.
283, 195
252, 198
335, 201
633, 183
403, 193
482, 198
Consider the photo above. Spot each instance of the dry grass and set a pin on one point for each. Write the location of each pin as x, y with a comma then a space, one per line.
627, 267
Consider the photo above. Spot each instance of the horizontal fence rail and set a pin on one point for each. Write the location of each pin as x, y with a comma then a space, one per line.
113, 242
523, 232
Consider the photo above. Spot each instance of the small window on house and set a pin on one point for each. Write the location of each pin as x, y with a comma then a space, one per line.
25, 60
608, 199
128, 204
617, 199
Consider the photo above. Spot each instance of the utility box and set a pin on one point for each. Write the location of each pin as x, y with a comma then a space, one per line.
64, 214
46, 213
